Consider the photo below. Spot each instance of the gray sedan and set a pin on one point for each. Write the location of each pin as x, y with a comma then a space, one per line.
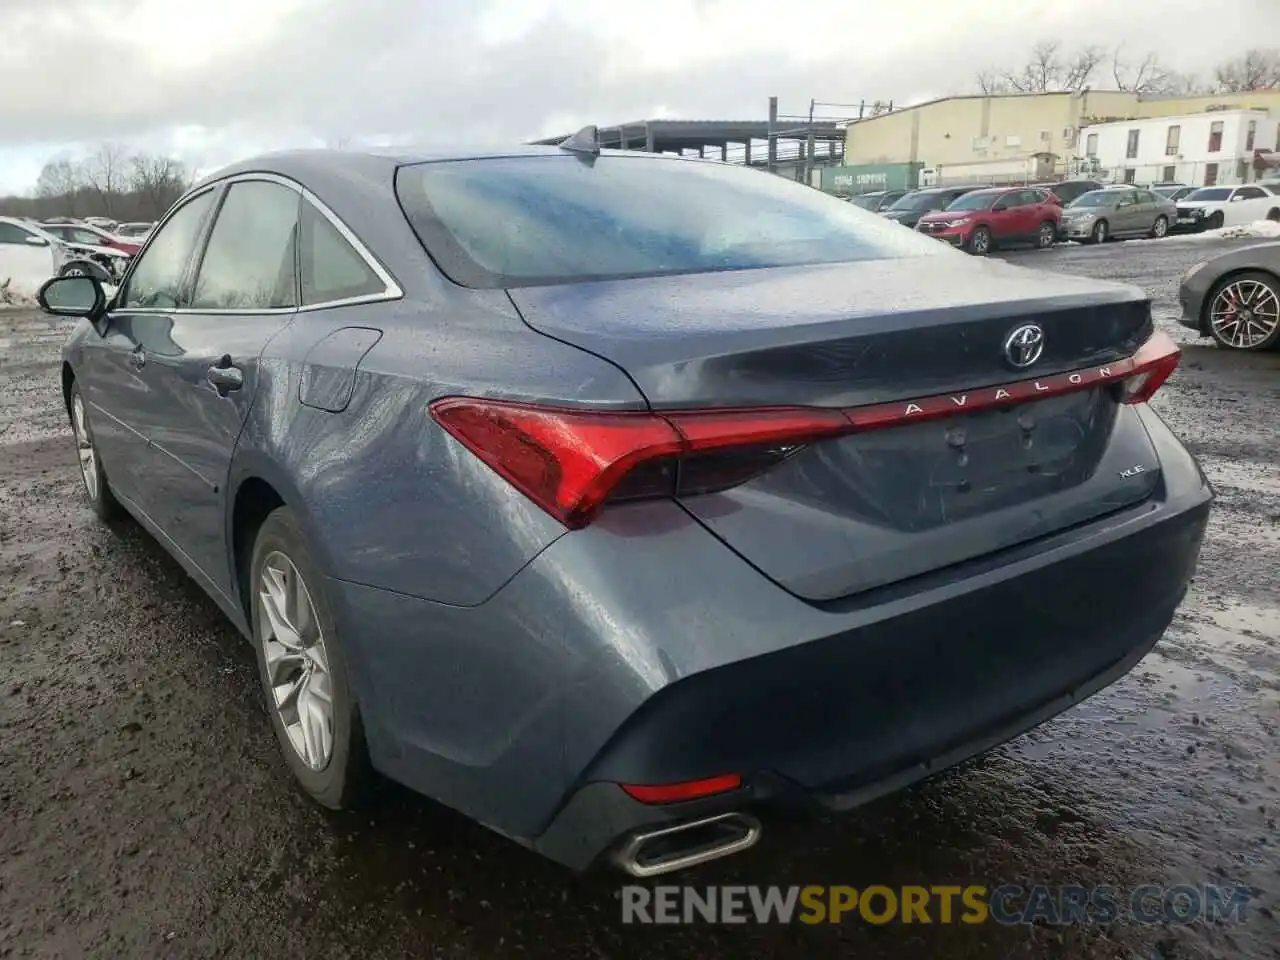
610, 498
1116, 212
1235, 298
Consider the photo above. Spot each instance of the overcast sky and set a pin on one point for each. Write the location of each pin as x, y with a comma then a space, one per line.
214, 80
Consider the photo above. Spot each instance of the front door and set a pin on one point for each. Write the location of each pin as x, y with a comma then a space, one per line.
244, 291
120, 393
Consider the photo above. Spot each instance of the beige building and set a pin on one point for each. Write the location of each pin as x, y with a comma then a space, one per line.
1014, 136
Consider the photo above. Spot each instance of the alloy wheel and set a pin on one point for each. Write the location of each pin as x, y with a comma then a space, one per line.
1047, 235
1161, 228
84, 447
1100, 232
1245, 314
75, 272
296, 660
981, 241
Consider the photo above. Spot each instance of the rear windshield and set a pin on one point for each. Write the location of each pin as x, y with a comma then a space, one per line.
868, 201
922, 200
524, 221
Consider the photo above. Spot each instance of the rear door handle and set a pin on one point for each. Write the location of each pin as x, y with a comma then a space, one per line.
225, 377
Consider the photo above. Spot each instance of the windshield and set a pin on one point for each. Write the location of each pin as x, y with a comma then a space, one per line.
521, 221
1211, 193
921, 200
973, 201
1096, 198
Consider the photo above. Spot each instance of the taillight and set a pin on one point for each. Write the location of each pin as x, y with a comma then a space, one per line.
571, 461
1153, 364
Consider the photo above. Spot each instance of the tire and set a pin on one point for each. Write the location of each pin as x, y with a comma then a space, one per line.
96, 489
1100, 233
84, 268
980, 241
1047, 236
1259, 291
1274, 214
1215, 222
336, 775
1160, 229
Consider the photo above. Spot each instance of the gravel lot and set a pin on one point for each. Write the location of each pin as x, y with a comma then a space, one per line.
144, 812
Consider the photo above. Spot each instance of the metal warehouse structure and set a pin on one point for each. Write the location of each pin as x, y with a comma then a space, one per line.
786, 145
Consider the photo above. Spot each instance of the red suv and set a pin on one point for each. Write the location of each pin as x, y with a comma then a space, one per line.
979, 220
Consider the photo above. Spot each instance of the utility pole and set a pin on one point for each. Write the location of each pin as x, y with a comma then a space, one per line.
772, 163
809, 148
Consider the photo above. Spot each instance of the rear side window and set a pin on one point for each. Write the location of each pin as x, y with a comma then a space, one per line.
523, 221
250, 260
332, 270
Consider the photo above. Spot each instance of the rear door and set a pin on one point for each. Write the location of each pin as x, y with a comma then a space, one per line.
244, 292
1248, 204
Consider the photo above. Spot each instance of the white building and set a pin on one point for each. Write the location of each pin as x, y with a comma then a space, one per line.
1197, 149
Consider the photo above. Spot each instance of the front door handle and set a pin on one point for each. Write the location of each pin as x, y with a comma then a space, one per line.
225, 377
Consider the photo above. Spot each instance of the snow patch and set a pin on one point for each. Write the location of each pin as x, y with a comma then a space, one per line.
1258, 230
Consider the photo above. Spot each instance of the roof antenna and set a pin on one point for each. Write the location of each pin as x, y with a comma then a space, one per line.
585, 141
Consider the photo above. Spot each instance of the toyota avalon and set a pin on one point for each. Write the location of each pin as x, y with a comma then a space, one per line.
613, 499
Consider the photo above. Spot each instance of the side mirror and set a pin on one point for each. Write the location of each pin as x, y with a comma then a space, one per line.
73, 297
1236, 199
34, 241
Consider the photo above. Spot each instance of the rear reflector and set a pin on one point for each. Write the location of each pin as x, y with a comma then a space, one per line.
570, 461
688, 790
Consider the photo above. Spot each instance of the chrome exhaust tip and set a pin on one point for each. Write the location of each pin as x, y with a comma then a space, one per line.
649, 853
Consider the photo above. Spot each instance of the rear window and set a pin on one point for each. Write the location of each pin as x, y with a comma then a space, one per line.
525, 221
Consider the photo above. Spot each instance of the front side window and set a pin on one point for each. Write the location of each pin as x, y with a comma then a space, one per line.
521, 221
12, 233
157, 278
1251, 193
250, 261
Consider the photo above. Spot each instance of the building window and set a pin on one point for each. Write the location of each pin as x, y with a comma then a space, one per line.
1130, 174
1278, 139
1215, 136
1242, 171
1170, 174
1210, 174
1091, 145
1250, 134
1132, 150
1171, 141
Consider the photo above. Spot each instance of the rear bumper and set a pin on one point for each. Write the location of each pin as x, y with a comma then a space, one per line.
641, 650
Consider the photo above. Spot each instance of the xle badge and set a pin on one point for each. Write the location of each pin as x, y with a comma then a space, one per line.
1132, 472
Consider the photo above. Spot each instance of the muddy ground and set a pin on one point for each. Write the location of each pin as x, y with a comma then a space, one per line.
144, 811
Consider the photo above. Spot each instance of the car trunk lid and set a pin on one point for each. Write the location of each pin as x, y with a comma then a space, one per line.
875, 507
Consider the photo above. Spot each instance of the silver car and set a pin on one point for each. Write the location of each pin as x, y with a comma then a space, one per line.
1116, 212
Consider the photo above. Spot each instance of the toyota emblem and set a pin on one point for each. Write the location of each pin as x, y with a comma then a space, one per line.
1024, 345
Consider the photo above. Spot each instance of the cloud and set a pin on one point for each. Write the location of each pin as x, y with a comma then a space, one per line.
218, 78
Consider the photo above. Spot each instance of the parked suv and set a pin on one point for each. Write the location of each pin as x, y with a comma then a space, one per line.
979, 220
908, 210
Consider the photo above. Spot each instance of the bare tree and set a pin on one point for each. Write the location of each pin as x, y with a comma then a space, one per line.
1048, 70
1141, 76
107, 172
60, 180
1257, 69
156, 182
